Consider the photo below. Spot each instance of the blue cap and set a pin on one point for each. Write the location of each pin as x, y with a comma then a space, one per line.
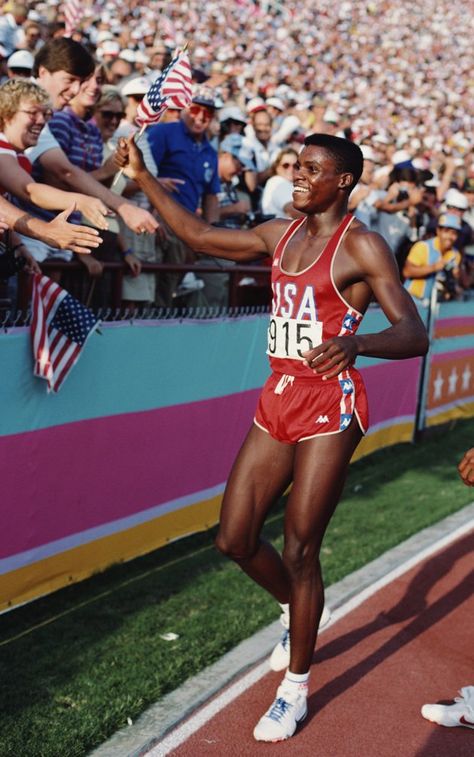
233, 144
449, 221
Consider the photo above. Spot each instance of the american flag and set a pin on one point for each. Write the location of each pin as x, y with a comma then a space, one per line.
172, 88
73, 13
60, 327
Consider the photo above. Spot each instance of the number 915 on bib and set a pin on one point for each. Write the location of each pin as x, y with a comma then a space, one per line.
289, 338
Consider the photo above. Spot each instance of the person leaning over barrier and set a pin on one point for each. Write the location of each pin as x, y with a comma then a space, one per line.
312, 411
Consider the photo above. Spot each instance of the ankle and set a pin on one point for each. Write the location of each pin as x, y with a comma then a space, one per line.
297, 681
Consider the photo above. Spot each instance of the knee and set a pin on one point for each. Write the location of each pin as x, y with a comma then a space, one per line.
301, 559
235, 549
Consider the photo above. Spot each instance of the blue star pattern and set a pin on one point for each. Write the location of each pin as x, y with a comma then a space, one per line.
73, 320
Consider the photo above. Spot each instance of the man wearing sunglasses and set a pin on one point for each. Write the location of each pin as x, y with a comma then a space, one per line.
182, 151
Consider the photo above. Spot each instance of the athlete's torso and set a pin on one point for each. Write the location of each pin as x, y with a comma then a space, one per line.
307, 308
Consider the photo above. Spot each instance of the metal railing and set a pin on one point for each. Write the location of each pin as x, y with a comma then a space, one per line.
241, 299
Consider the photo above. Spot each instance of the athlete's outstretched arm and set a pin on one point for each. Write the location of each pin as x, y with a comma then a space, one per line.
232, 244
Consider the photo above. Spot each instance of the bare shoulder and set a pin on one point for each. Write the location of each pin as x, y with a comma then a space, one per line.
366, 247
272, 231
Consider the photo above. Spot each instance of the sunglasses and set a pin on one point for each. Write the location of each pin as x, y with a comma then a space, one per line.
111, 114
197, 110
288, 165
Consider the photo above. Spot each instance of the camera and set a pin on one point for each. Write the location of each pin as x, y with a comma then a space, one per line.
9, 265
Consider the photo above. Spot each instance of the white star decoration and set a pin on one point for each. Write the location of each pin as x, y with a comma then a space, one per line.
452, 381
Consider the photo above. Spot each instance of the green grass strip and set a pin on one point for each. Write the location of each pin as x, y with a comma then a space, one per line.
76, 665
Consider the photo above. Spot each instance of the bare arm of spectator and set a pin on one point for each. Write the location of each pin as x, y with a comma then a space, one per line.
58, 233
445, 183
18, 182
65, 174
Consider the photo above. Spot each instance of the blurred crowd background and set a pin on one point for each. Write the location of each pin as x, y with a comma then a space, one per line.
396, 78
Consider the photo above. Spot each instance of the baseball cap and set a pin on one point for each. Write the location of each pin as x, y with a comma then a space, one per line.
137, 86
232, 113
402, 159
449, 221
204, 95
233, 144
275, 102
20, 59
369, 153
456, 199
254, 104
330, 116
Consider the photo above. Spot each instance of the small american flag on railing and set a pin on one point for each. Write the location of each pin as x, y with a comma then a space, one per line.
73, 12
172, 88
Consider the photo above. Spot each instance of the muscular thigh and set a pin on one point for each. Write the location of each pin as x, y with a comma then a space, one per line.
261, 473
320, 469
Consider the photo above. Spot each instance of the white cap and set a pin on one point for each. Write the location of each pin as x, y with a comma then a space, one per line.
103, 35
369, 153
20, 59
401, 156
108, 47
137, 86
331, 117
233, 113
128, 55
256, 103
455, 199
275, 102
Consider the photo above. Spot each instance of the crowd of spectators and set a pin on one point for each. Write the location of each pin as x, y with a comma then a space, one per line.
396, 78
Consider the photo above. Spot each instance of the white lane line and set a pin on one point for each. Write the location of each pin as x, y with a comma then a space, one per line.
196, 721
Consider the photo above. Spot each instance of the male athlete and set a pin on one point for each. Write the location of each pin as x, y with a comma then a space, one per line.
313, 410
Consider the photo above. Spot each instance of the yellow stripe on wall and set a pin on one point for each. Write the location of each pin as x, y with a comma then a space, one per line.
458, 412
385, 437
52, 573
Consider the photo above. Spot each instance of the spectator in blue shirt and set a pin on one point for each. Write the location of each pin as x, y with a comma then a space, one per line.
182, 151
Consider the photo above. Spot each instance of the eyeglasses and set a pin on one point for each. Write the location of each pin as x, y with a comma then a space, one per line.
197, 110
112, 114
36, 115
288, 165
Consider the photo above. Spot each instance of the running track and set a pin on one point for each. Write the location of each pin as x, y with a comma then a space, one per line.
410, 643
401, 635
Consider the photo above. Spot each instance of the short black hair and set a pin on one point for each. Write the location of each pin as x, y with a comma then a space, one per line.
64, 54
347, 156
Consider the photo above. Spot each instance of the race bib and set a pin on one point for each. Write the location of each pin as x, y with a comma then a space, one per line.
289, 338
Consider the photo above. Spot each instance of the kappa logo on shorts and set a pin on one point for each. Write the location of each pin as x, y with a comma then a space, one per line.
322, 419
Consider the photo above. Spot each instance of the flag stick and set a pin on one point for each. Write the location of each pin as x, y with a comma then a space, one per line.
140, 133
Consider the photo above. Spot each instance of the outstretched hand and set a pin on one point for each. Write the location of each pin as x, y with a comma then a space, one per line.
466, 467
129, 157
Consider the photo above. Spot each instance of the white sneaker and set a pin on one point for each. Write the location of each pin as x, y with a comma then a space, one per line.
461, 712
280, 720
280, 657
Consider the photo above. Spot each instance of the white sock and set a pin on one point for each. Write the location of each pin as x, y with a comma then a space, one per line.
297, 681
285, 620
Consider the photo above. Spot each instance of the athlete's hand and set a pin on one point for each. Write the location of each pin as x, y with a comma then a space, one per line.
466, 468
332, 357
129, 158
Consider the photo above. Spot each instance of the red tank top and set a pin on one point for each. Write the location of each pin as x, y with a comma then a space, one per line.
307, 308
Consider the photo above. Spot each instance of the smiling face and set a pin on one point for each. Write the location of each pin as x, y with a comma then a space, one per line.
23, 128
317, 183
90, 90
60, 86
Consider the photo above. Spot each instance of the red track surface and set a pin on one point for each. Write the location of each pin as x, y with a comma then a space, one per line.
411, 643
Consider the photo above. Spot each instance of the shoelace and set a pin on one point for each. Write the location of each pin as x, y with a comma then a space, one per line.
279, 709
